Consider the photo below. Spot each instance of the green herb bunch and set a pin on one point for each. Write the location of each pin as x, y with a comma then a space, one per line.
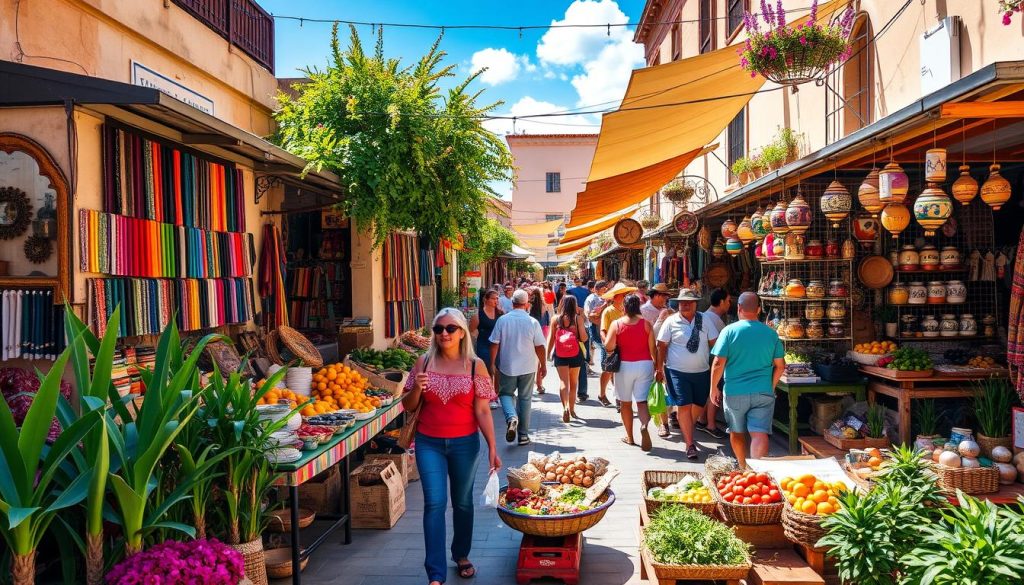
876, 421
993, 403
927, 416
678, 535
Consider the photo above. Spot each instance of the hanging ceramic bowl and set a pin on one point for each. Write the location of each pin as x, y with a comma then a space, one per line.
932, 208
836, 203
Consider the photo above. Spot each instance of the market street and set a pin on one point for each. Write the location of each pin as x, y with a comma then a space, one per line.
395, 557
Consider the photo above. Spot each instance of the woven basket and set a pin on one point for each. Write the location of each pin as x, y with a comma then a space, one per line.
974, 480
988, 443
279, 563
390, 380
300, 347
255, 564
802, 528
747, 513
695, 572
555, 525
270, 346
281, 520
653, 479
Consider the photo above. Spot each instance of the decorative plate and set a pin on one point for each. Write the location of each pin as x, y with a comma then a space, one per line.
875, 272
686, 223
717, 275
627, 232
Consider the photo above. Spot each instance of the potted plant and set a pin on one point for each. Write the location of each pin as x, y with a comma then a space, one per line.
791, 55
758, 166
993, 404
876, 422
743, 169
927, 416
788, 140
773, 155
678, 191
680, 541
196, 561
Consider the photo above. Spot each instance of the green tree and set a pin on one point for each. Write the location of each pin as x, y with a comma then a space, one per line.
410, 155
492, 240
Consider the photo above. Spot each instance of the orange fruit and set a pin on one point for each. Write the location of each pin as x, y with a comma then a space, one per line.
818, 485
308, 411
801, 490
825, 508
819, 496
875, 461
809, 507
791, 498
874, 452
808, 480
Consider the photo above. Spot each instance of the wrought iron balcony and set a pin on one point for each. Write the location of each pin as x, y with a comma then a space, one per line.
243, 23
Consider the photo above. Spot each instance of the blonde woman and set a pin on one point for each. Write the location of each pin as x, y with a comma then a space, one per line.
634, 338
452, 387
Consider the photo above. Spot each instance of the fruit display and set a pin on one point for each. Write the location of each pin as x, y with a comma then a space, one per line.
875, 347
865, 463
316, 432
748, 488
687, 491
793, 357
549, 501
907, 359
390, 359
417, 340
982, 362
385, 396
576, 471
335, 420
276, 395
338, 386
809, 495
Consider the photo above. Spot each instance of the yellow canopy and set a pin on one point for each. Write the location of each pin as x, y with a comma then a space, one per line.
576, 233
669, 113
537, 229
573, 246
534, 243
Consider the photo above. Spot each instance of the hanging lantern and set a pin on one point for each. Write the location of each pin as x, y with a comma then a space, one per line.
865, 229
893, 184
935, 165
744, 232
733, 246
704, 238
996, 190
965, 188
867, 194
836, 203
932, 208
760, 223
777, 218
798, 215
895, 218
728, 228
718, 249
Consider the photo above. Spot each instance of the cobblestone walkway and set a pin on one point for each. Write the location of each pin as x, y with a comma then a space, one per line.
395, 557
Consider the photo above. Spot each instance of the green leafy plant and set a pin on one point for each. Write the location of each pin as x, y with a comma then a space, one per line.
993, 405
410, 155
906, 468
786, 138
492, 241
741, 166
779, 48
976, 543
449, 297
773, 154
876, 421
927, 416
678, 535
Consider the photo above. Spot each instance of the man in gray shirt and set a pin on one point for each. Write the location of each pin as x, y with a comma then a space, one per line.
717, 314
519, 340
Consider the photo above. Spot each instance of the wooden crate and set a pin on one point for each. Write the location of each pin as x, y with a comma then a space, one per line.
865, 443
782, 567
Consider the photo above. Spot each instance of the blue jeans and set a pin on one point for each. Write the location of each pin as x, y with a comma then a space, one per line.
594, 331
439, 460
516, 396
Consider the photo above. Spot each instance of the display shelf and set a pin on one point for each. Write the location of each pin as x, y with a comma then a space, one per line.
805, 261
818, 339
927, 305
949, 339
937, 271
803, 300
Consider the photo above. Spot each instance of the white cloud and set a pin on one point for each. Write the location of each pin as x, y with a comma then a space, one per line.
605, 78
502, 65
575, 46
526, 106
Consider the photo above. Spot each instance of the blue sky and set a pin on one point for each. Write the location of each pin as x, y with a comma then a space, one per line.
544, 70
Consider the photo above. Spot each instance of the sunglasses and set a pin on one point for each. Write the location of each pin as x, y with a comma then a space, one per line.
451, 328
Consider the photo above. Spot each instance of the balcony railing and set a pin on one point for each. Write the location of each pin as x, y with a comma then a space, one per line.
242, 22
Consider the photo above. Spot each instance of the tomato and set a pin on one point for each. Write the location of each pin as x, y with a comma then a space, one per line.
748, 491
747, 501
774, 495
762, 477
729, 496
765, 489
755, 499
738, 490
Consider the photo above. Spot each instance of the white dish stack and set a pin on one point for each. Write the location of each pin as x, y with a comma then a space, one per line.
299, 380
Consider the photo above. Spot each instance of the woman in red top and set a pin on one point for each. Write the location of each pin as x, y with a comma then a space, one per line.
452, 387
634, 338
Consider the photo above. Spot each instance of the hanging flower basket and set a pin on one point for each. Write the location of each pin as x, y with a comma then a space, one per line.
678, 191
792, 55
649, 221
1008, 7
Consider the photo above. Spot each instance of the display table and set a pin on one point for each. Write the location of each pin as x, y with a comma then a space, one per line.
318, 460
794, 391
821, 448
905, 387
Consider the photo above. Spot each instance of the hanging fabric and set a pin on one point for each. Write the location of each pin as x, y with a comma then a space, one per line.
1015, 325
403, 304
31, 326
271, 277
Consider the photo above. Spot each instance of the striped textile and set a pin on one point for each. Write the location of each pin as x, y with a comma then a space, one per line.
403, 309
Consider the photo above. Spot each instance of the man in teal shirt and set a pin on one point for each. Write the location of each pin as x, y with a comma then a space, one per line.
750, 355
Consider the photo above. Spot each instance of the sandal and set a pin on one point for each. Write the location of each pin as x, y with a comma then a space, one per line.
645, 439
663, 432
628, 441
604, 400
565, 416
466, 570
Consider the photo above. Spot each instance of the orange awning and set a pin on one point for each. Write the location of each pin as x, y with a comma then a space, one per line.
573, 246
573, 234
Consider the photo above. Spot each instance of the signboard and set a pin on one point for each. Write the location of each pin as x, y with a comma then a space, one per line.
470, 288
333, 219
146, 77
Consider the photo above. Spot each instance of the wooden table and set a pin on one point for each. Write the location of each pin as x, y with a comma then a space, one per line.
334, 452
794, 391
821, 448
905, 387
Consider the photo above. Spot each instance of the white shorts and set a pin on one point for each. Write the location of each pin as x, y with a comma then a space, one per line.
633, 381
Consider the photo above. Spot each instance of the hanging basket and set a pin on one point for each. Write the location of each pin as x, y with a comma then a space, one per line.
649, 221
678, 192
803, 65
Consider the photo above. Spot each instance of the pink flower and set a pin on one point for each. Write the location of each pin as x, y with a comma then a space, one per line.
1007, 18
803, 40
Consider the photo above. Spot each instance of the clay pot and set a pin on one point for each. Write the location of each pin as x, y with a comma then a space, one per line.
868, 194
936, 292
956, 292
794, 246
798, 215
745, 232
733, 246
728, 229
895, 218
836, 203
899, 294
777, 218
814, 249
935, 165
929, 257
996, 190
865, 229
893, 184
795, 289
909, 258
918, 293
965, 187
932, 208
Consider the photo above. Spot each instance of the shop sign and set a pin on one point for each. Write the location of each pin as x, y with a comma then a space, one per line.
333, 219
146, 77
470, 289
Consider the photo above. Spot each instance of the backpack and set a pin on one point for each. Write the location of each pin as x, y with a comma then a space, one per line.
567, 342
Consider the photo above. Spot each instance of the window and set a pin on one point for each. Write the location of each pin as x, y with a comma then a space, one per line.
706, 30
736, 136
849, 99
736, 10
553, 183
677, 41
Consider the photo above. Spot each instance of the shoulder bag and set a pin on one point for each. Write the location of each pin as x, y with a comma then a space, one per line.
612, 360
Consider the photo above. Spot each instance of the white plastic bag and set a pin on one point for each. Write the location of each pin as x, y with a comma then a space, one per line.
490, 496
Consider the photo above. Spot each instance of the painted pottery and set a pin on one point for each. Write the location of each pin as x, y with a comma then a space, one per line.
838, 289
767, 247
832, 249
745, 232
893, 184
968, 325
798, 215
836, 329
728, 228
989, 322
794, 246
779, 247
930, 326
909, 258
950, 257
996, 190
733, 246
815, 330
895, 218
814, 311
836, 203
956, 292
816, 289
932, 208
899, 294
936, 292
718, 249
908, 323
795, 289
794, 329
965, 187
777, 218
865, 230
918, 293
935, 165
760, 225
836, 310
868, 194
814, 249
894, 258
949, 326
849, 250
929, 257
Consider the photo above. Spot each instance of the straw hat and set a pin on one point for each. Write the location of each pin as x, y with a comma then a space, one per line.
659, 289
686, 294
618, 289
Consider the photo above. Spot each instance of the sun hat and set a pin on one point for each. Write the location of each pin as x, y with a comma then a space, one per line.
618, 289
659, 289
686, 294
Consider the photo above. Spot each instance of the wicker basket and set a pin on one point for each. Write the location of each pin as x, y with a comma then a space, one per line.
391, 380
281, 520
970, 480
988, 443
252, 556
279, 563
695, 572
653, 479
555, 525
864, 443
747, 513
300, 347
802, 528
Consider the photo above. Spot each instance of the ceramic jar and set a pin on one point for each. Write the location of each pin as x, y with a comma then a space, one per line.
949, 257
930, 326
899, 294
909, 258
815, 289
932, 208
965, 188
935, 165
836, 329
996, 189
838, 289
918, 293
795, 329
718, 249
798, 215
777, 218
795, 289
745, 232
936, 292
894, 258
814, 311
929, 256
815, 330
956, 292
849, 250
865, 230
734, 246
832, 249
895, 218
836, 310
778, 247
990, 325
949, 326
893, 184
968, 326
909, 324
836, 203
814, 249
794, 246
759, 224
728, 228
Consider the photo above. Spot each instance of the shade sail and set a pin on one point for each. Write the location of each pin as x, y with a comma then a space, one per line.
573, 246
577, 233
537, 229
669, 113
534, 243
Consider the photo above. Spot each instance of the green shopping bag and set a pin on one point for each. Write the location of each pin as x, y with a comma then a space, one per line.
656, 398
